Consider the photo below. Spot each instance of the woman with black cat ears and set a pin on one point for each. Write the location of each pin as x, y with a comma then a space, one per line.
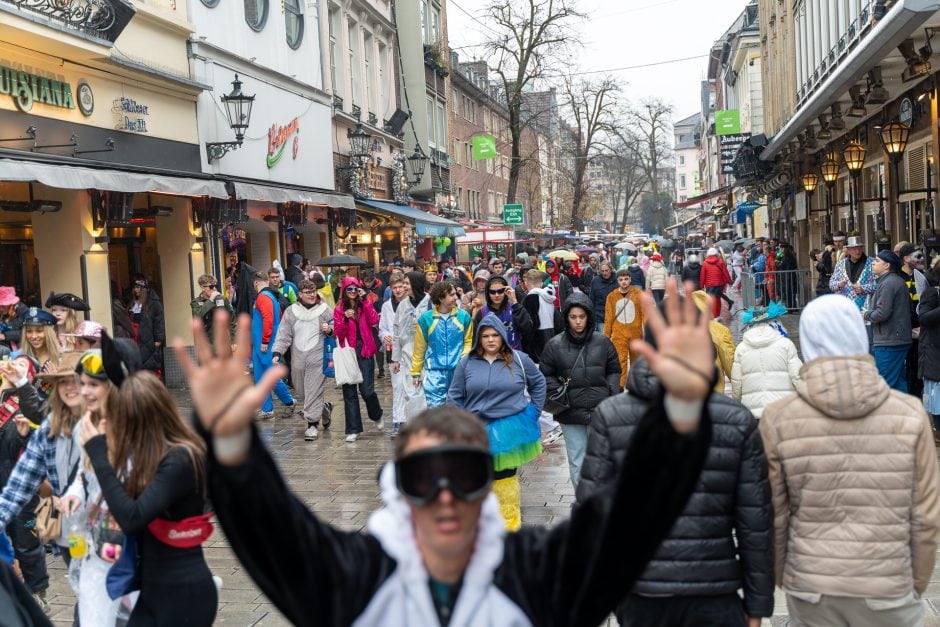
151, 468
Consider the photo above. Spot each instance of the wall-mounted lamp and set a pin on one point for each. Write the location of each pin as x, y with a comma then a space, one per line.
417, 164
854, 155
830, 173
238, 111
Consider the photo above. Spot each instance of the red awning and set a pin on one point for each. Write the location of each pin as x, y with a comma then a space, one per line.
695, 200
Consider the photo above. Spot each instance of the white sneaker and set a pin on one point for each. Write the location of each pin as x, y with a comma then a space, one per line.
552, 436
380, 424
352, 437
265, 415
311, 433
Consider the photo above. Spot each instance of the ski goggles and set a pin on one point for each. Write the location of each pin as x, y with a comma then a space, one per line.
467, 471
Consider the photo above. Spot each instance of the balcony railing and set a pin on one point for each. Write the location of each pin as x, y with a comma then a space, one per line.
102, 19
854, 33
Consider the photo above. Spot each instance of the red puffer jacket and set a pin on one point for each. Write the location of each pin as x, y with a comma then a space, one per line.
714, 273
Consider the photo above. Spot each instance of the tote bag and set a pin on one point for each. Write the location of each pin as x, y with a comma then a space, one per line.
346, 365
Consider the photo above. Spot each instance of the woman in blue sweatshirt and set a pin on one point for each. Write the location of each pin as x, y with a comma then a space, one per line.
506, 390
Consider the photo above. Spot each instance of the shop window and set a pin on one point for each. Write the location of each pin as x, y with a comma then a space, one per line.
294, 19
256, 13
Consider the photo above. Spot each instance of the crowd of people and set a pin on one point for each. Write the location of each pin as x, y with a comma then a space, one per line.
706, 473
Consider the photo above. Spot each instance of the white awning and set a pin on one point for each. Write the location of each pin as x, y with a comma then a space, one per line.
269, 193
77, 177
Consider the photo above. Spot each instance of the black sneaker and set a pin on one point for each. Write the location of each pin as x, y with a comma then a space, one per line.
380, 375
326, 416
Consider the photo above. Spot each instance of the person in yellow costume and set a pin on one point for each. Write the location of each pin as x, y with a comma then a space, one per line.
721, 338
624, 320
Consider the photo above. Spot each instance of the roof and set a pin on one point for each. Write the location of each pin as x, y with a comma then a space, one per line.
692, 120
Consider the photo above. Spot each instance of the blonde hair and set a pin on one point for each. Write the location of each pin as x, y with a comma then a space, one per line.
51, 345
69, 325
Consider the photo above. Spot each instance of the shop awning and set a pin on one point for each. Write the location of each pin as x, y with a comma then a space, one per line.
71, 177
695, 200
426, 224
270, 193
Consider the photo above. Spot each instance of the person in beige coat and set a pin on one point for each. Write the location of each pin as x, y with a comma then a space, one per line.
854, 479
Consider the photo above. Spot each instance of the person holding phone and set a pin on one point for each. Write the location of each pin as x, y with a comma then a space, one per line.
500, 300
353, 320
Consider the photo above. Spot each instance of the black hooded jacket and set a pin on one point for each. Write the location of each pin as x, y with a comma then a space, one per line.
594, 376
731, 500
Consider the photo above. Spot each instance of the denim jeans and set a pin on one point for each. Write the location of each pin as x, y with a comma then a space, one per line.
576, 446
367, 390
600, 326
890, 361
260, 363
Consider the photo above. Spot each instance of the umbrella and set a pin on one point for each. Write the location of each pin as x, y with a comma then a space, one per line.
342, 260
561, 253
744, 240
725, 244
586, 250
666, 243
626, 246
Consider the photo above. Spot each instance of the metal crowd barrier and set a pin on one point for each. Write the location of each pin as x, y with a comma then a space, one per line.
793, 288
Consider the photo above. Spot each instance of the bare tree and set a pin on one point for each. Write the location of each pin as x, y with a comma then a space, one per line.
592, 105
527, 35
622, 170
652, 128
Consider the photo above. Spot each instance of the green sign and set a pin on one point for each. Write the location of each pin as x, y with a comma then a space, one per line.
512, 214
484, 147
727, 122
25, 89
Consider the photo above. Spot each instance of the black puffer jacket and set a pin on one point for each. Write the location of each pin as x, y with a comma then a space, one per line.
929, 362
733, 495
151, 331
594, 377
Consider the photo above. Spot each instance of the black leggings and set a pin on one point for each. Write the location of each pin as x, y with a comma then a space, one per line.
190, 604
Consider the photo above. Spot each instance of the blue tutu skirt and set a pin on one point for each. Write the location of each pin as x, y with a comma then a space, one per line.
515, 440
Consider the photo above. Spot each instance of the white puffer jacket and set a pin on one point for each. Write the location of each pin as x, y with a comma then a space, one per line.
766, 368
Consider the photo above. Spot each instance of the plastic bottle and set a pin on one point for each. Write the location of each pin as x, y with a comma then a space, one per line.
76, 534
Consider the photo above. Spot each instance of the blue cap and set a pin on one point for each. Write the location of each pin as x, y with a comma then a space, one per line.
39, 317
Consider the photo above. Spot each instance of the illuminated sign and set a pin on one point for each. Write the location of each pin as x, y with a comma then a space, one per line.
278, 138
27, 89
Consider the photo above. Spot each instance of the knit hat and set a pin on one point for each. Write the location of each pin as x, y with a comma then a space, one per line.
832, 326
907, 249
891, 259
712, 252
8, 296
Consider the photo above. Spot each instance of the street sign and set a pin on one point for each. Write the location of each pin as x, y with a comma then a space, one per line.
512, 214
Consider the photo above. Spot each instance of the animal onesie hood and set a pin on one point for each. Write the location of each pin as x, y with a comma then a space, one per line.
299, 333
623, 321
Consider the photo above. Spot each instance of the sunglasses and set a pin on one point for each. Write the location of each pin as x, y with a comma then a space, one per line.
496, 292
92, 364
467, 471
212, 285
351, 288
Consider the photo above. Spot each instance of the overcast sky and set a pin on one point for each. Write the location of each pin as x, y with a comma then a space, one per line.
629, 33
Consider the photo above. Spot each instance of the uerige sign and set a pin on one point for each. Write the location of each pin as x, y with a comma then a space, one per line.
279, 137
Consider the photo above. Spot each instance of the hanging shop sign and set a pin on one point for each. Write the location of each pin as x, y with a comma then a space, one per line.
906, 112
27, 89
728, 146
278, 138
727, 122
130, 114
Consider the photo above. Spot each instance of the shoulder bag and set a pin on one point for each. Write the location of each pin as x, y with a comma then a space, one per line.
558, 402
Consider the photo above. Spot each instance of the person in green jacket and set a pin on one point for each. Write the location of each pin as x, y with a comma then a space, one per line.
210, 299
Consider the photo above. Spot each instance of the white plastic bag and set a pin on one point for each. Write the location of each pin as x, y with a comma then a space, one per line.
415, 400
347, 366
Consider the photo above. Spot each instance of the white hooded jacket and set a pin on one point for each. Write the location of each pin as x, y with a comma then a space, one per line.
766, 368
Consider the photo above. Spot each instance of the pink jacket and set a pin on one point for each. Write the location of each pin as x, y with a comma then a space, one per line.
348, 330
